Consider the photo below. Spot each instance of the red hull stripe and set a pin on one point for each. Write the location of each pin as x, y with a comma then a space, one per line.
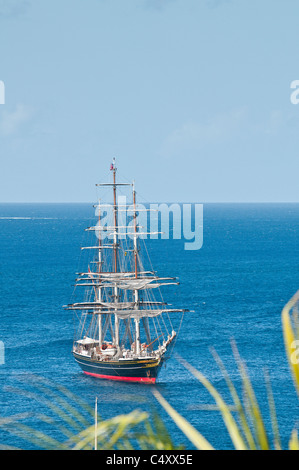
146, 380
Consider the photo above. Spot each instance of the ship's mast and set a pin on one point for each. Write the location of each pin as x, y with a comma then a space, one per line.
115, 216
116, 320
136, 292
114, 228
116, 280
135, 232
99, 296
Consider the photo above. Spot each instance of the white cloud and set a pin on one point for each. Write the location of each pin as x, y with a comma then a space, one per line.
13, 8
193, 135
11, 121
158, 4
216, 3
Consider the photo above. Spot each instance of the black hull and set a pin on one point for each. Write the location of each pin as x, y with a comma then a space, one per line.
135, 370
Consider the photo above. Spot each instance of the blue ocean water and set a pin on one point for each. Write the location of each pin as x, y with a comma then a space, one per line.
237, 284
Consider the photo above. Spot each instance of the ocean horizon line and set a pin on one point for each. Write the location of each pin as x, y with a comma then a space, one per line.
154, 202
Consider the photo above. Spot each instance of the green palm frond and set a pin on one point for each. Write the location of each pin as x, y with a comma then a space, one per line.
110, 432
290, 325
231, 425
249, 431
274, 421
252, 406
294, 441
72, 419
248, 435
190, 432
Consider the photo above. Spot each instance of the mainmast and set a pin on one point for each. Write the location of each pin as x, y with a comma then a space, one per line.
136, 292
99, 296
135, 232
113, 167
116, 320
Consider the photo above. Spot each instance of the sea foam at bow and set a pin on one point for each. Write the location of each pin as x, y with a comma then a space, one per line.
167, 221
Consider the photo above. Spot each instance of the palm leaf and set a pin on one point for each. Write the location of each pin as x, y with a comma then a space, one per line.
231, 425
275, 427
294, 441
252, 404
110, 432
193, 435
238, 404
290, 339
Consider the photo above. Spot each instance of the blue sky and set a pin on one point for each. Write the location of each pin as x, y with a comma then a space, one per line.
191, 96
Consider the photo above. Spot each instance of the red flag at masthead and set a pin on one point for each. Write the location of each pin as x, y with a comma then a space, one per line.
112, 166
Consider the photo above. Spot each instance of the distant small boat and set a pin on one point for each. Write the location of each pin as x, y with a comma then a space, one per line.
124, 333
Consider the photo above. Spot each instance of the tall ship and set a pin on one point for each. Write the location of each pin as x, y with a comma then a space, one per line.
124, 327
